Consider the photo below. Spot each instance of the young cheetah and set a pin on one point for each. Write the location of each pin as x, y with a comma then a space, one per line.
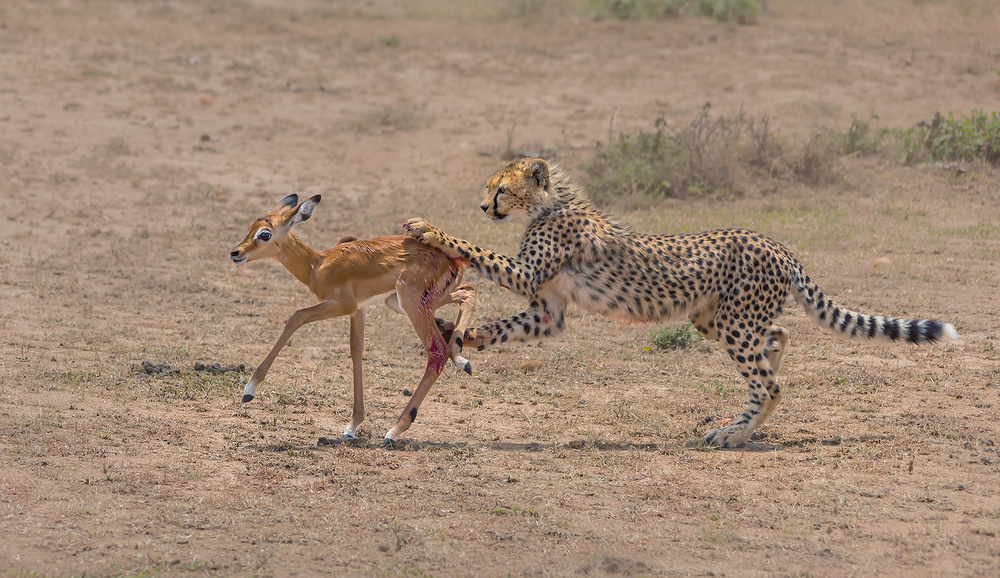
731, 283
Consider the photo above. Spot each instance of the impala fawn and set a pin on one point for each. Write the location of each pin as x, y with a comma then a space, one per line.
410, 277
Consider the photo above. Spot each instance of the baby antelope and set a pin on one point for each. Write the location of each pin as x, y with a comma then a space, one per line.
410, 277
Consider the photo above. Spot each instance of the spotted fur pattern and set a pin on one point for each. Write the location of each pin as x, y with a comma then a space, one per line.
731, 283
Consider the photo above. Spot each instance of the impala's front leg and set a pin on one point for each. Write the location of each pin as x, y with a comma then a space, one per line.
324, 310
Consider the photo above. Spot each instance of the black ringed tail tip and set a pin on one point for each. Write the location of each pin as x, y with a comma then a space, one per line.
247, 397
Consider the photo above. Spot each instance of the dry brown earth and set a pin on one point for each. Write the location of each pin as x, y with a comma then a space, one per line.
138, 138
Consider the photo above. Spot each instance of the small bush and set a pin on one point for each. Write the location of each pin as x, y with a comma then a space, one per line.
712, 154
402, 118
818, 160
680, 337
965, 138
724, 155
741, 11
863, 138
938, 138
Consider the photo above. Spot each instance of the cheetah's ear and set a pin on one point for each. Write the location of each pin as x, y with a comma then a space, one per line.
540, 172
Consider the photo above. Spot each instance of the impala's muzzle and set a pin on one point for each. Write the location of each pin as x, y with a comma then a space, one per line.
238, 256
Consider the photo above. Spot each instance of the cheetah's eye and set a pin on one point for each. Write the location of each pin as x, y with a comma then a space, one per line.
501, 190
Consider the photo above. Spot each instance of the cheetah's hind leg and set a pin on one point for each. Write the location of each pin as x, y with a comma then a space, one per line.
777, 339
750, 348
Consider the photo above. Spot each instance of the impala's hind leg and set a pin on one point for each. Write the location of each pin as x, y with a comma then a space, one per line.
357, 353
416, 299
465, 296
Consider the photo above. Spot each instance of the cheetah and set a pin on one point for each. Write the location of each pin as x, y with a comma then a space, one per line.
730, 283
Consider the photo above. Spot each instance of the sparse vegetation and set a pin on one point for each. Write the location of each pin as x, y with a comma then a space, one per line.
740, 11
680, 337
938, 138
402, 117
964, 138
723, 155
712, 154
391, 41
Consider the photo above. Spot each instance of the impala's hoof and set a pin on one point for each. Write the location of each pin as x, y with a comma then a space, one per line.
389, 443
247, 397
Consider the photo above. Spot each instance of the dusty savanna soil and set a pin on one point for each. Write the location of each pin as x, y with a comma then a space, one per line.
138, 140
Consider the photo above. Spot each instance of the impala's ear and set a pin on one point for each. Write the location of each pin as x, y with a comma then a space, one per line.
287, 203
304, 211
540, 172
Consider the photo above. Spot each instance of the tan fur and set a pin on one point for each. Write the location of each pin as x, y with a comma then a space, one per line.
411, 278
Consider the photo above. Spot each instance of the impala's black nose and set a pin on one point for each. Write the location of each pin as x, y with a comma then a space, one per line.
234, 253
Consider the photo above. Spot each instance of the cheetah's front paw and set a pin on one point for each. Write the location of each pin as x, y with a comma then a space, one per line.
423, 231
477, 338
727, 437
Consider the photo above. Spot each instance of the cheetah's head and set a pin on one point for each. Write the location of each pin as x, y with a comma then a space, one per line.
520, 190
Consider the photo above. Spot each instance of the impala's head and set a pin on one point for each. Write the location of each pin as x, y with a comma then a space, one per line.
268, 233
521, 189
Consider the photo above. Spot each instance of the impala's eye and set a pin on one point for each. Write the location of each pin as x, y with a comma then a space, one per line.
264, 236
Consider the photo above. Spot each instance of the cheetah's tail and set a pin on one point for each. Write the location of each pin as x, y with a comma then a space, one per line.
858, 326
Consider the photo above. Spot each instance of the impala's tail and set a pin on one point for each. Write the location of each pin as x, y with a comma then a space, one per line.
858, 326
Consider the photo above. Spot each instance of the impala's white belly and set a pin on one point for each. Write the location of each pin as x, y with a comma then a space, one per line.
377, 298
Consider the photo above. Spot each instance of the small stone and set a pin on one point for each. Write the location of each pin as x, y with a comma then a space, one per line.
478, 401
407, 392
207, 99
576, 444
384, 547
882, 262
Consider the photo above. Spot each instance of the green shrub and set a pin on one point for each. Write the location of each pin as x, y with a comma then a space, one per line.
965, 138
712, 154
637, 9
863, 138
680, 337
741, 11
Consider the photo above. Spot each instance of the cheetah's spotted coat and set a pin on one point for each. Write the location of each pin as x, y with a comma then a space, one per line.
731, 283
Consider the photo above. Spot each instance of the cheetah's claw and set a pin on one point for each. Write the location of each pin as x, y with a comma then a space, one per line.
423, 231
727, 437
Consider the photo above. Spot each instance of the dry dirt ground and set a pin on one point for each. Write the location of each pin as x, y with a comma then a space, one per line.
138, 139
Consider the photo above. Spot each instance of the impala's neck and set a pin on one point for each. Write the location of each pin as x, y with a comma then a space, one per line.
298, 258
